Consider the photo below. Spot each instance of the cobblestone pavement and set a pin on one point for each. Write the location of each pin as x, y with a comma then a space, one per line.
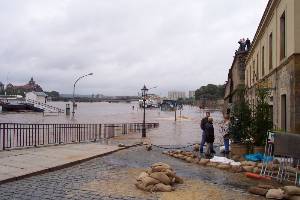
112, 177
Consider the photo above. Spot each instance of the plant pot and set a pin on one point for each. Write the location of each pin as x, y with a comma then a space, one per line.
239, 149
258, 149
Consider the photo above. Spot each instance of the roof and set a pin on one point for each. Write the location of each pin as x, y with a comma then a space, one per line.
264, 20
41, 94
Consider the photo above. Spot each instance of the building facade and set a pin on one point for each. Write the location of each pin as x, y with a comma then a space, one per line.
175, 95
21, 90
191, 94
235, 79
274, 63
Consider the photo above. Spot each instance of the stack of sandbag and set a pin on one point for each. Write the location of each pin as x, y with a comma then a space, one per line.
160, 177
261, 190
271, 192
218, 162
291, 192
248, 166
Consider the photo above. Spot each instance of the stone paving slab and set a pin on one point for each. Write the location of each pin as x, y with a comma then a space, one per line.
16, 164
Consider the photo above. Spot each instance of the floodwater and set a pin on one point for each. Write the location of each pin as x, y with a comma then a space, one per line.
185, 130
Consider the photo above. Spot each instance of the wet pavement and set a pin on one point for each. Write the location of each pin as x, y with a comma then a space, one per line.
112, 177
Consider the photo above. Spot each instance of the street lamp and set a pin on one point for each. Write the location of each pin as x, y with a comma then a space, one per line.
144, 94
73, 112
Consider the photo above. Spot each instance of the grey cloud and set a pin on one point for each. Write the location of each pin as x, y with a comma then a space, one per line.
170, 43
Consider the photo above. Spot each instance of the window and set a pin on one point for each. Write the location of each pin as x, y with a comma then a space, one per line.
270, 51
253, 71
257, 67
263, 61
282, 35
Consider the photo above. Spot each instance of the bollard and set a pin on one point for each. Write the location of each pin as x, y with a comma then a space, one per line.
68, 109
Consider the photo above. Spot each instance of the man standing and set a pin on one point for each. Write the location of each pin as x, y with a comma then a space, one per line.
210, 138
202, 125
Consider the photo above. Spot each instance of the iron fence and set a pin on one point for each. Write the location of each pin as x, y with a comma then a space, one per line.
19, 135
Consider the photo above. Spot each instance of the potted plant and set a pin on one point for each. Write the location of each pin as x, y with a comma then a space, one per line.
262, 121
240, 122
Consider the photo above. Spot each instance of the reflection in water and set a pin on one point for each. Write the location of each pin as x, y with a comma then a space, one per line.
183, 131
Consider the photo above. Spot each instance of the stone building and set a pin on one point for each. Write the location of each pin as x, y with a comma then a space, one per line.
236, 78
274, 62
192, 94
175, 95
22, 89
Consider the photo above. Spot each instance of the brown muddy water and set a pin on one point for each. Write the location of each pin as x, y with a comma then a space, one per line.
184, 131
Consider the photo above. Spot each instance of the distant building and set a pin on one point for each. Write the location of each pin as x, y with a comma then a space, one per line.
36, 96
191, 94
30, 86
274, 63
175, 95
1, 88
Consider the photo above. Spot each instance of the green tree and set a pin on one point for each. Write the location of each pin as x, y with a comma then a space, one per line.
241, 119
262, 120
210, 92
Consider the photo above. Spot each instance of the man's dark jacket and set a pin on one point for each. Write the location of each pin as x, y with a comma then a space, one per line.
203, 122
209, 132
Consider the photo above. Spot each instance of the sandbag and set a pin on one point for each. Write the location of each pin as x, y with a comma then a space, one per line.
268, 187
196, 147
178, 179
275, 194
161, 164
189, 159
258, 191
141, 186
212, 164
293, 198
149, 171
248, 168
256, 170
162, 177
195, 160
259, 165
236, 169
142, 175
223, 166
291, 190
160, 169
149, 181
171, 174
248, 163
203, 161
161, 188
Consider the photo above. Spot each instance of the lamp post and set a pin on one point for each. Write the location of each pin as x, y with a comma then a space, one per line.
73, 111
144, 94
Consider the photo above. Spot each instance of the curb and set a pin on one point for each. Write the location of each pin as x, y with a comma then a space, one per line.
66, 165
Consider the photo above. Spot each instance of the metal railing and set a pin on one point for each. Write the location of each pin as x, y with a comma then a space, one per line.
18, 135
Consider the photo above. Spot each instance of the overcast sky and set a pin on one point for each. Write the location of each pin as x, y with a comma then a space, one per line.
172, 44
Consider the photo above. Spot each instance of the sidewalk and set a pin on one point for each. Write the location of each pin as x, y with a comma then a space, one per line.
17, 164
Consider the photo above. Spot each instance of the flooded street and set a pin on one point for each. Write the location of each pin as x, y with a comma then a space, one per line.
184, 131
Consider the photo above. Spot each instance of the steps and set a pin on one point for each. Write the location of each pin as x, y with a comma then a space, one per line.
44, 106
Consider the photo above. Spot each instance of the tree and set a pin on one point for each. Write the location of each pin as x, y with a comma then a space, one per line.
53, 94
262, 120
241, 119
210, 92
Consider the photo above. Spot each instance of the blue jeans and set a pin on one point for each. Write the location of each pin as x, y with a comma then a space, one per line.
226, 144
202, 142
